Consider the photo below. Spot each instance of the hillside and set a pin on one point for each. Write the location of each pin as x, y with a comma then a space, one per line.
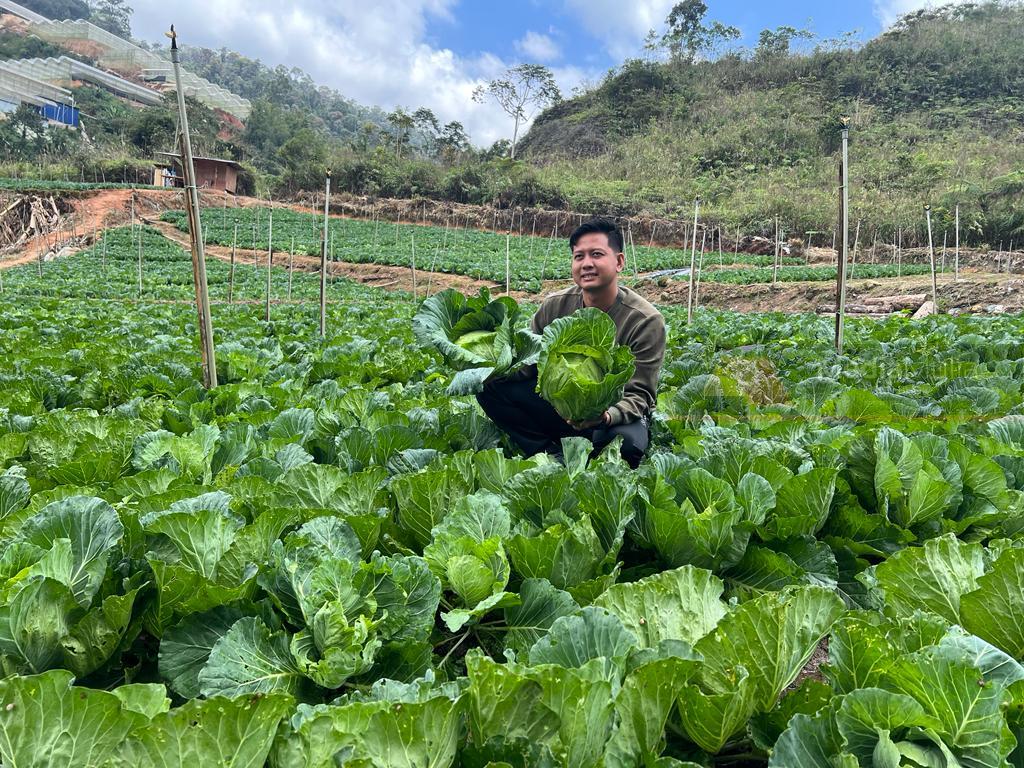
937, 116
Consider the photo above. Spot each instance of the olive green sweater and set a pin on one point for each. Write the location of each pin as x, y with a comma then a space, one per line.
638, 325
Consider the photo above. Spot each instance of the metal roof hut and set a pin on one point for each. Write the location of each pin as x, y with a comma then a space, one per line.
211, 172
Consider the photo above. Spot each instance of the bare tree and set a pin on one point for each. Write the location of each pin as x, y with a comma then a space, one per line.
523, 90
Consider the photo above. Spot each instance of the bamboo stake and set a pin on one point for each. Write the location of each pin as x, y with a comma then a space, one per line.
693, 259
533, 233
140, 262
775, 261
844, 215
415, 290
1009, 259
231, 269
931, 256
856, 241
654, 228
547, 251
270, 261
291, 267
508, 272
700, 270
899, 255
206, 342
943, 270
323, 257
632, 247
956, 257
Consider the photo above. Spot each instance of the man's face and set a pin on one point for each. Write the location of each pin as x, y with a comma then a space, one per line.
595, 264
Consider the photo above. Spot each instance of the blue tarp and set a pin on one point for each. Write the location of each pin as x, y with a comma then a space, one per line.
61, 113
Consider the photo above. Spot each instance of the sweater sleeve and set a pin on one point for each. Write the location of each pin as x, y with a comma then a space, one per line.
641, 392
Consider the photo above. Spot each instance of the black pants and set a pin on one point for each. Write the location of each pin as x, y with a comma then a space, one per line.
535, 426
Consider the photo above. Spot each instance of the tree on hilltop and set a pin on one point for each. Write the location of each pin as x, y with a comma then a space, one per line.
520, 93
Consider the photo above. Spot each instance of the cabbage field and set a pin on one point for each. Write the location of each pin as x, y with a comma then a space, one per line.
475, 253
327, 561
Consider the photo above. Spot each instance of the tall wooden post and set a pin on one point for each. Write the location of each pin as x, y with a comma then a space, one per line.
195, 229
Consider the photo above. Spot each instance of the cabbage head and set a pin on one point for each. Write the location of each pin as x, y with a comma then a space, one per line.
476, 336
581, 371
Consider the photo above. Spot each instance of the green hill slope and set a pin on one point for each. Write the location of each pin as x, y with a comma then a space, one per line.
937, 116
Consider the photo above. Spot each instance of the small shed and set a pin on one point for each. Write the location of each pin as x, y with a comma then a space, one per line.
211, 172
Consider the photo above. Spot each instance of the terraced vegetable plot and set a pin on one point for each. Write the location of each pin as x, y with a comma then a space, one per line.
474, 253
327, 561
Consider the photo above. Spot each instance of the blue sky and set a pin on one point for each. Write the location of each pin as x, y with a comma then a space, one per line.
434, 53
476, 27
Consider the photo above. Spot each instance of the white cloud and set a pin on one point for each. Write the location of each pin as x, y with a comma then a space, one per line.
621, 26
538, 47
374, 53
888, 11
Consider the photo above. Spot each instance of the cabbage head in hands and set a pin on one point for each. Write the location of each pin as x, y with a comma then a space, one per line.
581, 371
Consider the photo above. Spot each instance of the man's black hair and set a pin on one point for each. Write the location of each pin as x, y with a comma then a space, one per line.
598, 225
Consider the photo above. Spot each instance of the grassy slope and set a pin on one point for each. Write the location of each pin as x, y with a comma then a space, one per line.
937, 117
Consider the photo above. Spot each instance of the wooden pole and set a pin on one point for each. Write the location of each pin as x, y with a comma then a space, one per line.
931, 256
231, 269
956, 256
693, 261
323, 258
508, 266
942, 271
270, 262
206, 344
844, 216
654, 228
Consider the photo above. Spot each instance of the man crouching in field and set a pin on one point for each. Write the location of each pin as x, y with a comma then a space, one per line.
534, 425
